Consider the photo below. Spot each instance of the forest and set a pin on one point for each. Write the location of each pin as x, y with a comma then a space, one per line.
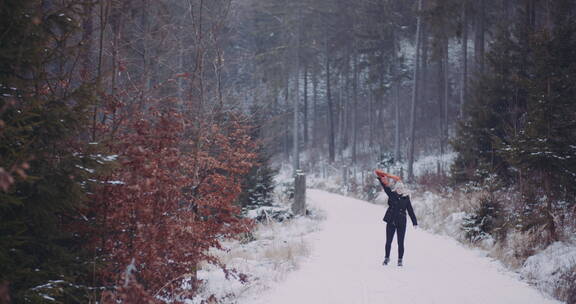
135, 135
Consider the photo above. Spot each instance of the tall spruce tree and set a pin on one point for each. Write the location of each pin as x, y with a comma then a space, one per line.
543, 148
488, 113
521, 122
44, 114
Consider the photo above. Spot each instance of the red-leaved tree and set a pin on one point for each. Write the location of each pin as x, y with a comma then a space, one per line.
171, 199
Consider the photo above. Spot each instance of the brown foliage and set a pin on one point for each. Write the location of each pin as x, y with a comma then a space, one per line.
170, 201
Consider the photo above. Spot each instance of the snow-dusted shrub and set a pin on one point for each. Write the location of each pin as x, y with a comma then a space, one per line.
270, 213
486, 220
553, 269
371, 189
287, 189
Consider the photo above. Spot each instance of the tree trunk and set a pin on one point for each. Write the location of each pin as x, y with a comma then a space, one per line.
305, 110
287, 121
424, 85
370, 118
181, 62
479, 39
87, 30
446, 61
464, 80
424, 54
104, 10
381, 109
299, 205
331, 143
396, 97
415, 93
117, 25
316, 125
146, 64
441, 97
296, 101
342, 123
354, 111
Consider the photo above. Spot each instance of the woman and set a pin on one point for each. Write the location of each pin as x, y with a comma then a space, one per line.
395, 217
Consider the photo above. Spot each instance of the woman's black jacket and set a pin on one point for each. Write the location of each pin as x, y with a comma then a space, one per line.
397, 207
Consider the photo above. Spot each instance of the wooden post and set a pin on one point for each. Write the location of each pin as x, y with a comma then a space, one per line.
299, 205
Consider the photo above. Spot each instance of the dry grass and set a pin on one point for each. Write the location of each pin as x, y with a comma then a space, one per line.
277, 247
286, 252
438, 212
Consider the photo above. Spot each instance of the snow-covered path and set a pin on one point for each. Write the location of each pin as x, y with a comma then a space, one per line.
345, 265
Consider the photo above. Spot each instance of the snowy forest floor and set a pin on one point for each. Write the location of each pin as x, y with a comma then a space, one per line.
338, 260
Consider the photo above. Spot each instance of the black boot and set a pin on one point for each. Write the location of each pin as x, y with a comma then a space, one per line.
386, 261
399, 262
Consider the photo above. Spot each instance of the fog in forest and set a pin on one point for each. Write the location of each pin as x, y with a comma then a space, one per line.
138, 137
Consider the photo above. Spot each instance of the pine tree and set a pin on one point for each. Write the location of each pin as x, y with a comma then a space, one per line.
258, 185
521, 122
484, 221
43, 117
543, 149
489, 115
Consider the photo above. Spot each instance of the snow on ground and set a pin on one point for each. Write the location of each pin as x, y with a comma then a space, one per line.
276, 250
546, 268
344, 265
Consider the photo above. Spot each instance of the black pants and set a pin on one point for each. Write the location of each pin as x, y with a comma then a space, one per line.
390, 230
